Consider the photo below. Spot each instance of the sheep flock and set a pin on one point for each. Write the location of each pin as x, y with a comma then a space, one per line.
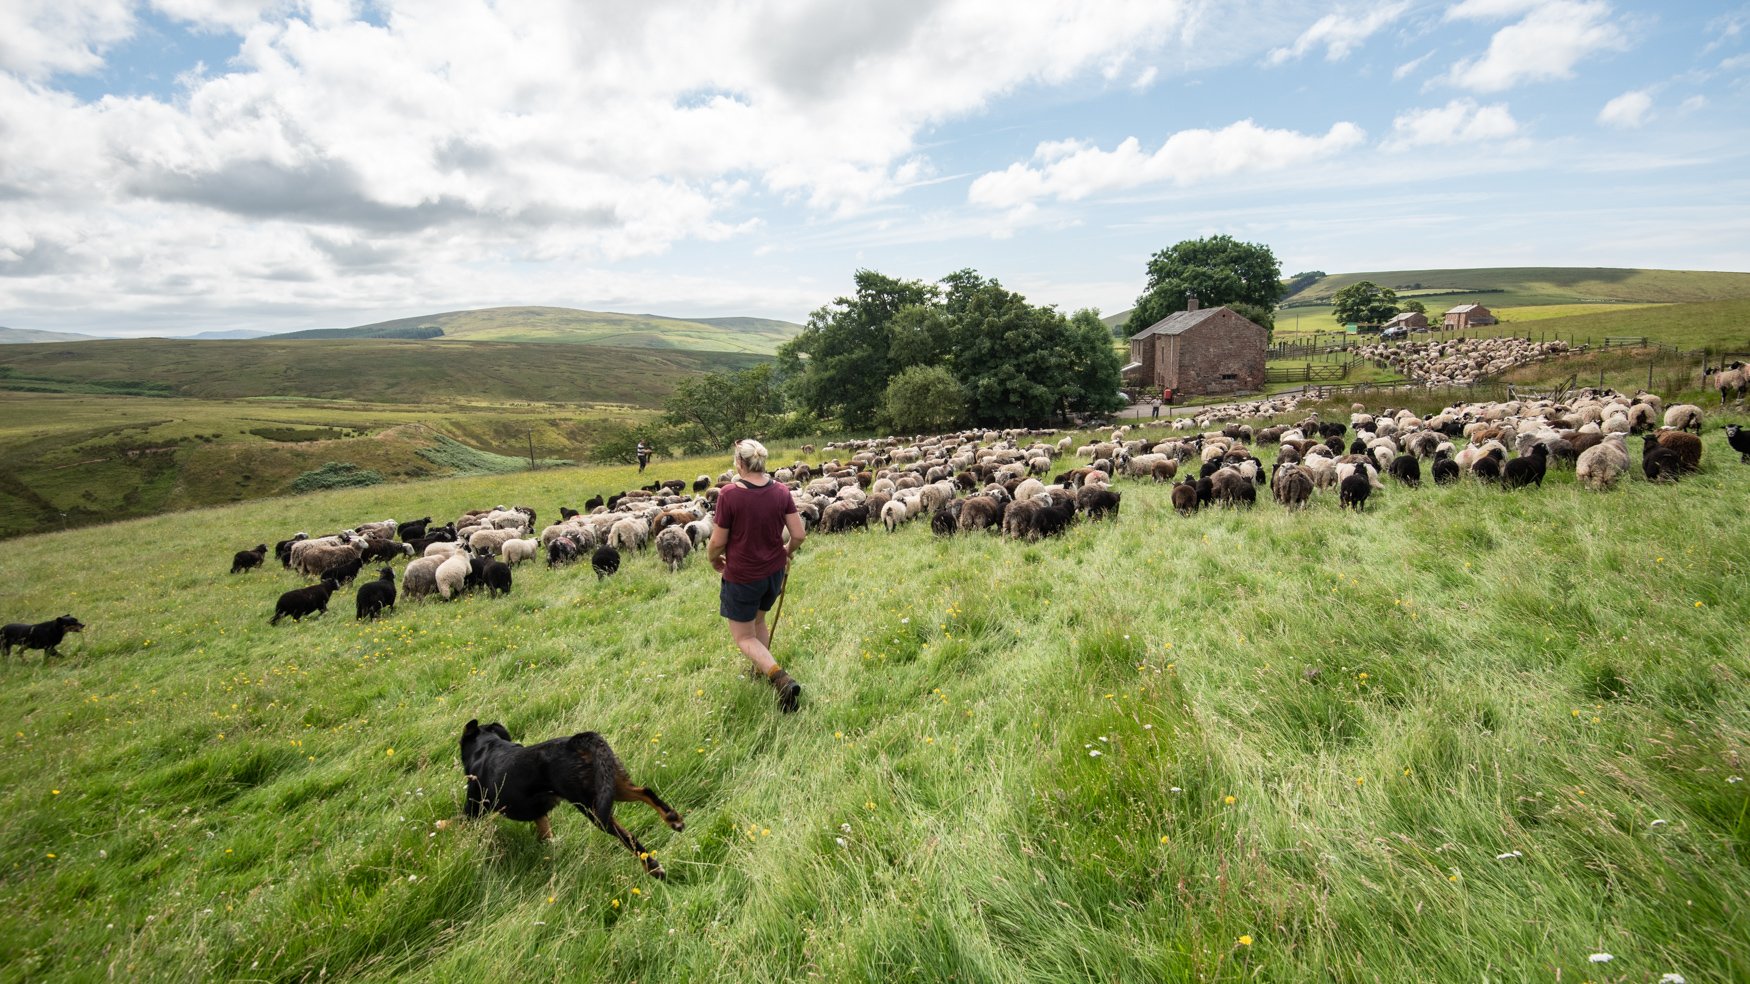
1028, 485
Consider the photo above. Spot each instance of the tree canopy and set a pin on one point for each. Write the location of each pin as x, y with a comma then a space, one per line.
1364, 303
1013, 362
1219, 270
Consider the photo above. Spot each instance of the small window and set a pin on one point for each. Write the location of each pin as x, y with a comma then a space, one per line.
1229, 376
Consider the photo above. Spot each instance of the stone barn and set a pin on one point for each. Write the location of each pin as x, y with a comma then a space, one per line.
1200, 351
1467, 316
1409, 320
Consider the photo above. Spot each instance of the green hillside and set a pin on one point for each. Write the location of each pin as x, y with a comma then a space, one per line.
29, 336
367, 370
1462, 735
1526, 286
757, 336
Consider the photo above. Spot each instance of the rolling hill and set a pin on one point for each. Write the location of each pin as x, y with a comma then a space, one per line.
755, 336
30, 336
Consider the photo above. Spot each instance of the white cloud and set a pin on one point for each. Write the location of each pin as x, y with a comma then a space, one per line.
1070, 172
1339, 33
1460, 121
1546, 44
234, 15
1628, 110
1406, 68
42, 37
1490, 9
1693, 104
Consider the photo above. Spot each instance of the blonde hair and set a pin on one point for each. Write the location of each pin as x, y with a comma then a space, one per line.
751, 455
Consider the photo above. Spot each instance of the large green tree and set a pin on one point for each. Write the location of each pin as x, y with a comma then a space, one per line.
1099, 373
711, 412
1219, 270
923, 399
1364, 303
840, 363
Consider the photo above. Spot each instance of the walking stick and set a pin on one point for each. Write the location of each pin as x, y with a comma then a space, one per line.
778, 610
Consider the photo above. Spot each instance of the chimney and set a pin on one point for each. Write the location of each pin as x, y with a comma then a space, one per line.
1191, 303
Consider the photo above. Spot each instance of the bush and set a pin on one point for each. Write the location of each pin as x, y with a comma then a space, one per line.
616, 444
335, 475
922, 399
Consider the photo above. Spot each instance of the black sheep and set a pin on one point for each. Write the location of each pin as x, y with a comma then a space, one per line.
1739, 439
1445, 469
412, 530
946, 521
1185, 497
605, 561
283, 549
566, 512
1354, 490
376, 597
1056, 517
1097, 502
497, 577
302, 601
1528, 469
344, 573
1488, 467
563, 550
1209, 468
1659, 463
43, 635
1358, 446
1406, 469
1205, 492
248, 560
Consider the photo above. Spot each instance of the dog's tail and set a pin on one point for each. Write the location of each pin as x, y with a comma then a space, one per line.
593, 749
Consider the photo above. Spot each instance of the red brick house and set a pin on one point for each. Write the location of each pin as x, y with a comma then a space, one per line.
1200, 351
1467, 316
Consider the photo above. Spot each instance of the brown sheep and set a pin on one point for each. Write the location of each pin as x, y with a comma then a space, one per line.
1687, 447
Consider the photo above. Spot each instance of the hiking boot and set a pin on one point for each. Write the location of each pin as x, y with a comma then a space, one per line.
789, 691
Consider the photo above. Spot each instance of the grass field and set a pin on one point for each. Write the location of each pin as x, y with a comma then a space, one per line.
1291, 322
755, 336
364, 370
1464, 736
81, 459
1525, 286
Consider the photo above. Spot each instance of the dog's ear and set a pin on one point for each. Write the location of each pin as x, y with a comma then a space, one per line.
471, 729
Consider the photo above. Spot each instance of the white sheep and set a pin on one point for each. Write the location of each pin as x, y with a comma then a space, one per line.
1600, 465
628, 535
515, 552
420, 578
1683, 416
893, 514
452, 574
490, 542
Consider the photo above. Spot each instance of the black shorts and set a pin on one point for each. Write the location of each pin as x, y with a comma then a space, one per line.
744, 602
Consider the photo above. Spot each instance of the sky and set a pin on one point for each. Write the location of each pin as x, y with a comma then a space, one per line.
175, 166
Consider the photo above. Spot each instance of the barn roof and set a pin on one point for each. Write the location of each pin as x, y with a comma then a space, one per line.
1406, 317
1177, 322
1465, 309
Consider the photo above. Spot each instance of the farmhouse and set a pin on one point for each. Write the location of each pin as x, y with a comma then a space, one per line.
1409, 319
1200, 351
1467, 316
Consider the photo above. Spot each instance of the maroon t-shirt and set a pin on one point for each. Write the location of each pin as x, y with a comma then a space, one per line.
754, 516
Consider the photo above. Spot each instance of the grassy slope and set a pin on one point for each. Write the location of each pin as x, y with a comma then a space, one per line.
757, 336
100, 458
369, 370
1521, 286
191, 793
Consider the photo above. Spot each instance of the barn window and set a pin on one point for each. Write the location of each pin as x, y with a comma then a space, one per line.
1229, 376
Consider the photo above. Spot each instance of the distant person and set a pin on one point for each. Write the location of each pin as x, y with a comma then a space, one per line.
644, 450
1167, 396
747, 547
1155, 407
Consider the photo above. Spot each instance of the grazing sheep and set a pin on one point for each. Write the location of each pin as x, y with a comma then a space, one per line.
946, 520
893, 514
843, 515
248, 560
515, 552
1292, 485
453, 575
1488, 468
1599, 466
283, 549
1406, 469
496, 577
1528, 470
376, 549
1684, 416
629, 535
375, 597
672, 547
562, 550
490, 542
605, 561
1739, 439
1658, 462
299, 602
1687, 447
420, 578
319, 558
412, 530
1098, 502
345, 571
1185, 496
1354, 490
981, 512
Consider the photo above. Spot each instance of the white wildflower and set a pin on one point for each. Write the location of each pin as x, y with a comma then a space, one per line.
1094, 754
1658, 823
1601, 958
1672, 979
1508, 855
845, 827
841, 841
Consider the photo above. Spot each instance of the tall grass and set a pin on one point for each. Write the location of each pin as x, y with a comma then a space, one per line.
1238, 745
